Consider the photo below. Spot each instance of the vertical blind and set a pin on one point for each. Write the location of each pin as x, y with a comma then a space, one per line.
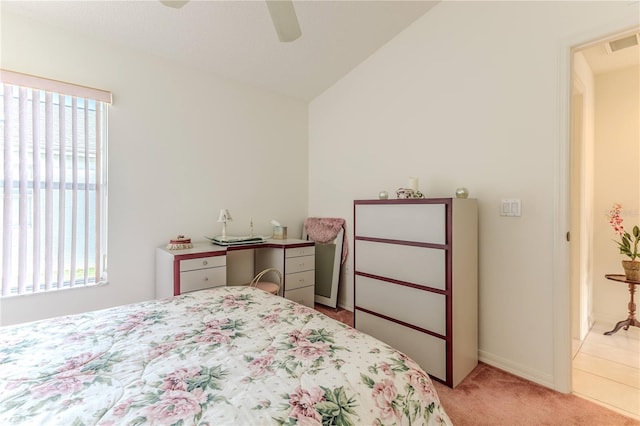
53, 184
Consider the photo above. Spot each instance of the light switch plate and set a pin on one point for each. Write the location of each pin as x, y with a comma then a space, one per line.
510, 207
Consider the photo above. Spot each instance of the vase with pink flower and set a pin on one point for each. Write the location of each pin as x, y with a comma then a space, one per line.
628, 243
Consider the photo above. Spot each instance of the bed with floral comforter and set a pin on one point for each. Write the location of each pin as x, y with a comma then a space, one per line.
226, 356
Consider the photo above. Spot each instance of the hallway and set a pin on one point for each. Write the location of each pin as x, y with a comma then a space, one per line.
606, 369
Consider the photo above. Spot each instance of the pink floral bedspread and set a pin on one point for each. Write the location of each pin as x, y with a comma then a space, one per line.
228, 356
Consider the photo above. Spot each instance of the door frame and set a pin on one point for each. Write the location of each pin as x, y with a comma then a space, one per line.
562, 354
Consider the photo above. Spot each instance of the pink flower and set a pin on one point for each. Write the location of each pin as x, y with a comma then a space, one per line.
384, 393
174, 406
121, 409
297, 336
213, 332
135, 320
71, 402
421, 383
310, 351
77, 361
270, 319
302, 402
302, 310
386, 369
615, 219
212, 336
630, 241
160, 349
216, 324
259, 366
58, 387
230, 301
80, 337
178, 379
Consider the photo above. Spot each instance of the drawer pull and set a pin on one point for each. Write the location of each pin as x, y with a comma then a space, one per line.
205, 263
206, 278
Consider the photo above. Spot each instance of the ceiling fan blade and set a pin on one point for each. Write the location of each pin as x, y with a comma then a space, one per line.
176, 4
284, 19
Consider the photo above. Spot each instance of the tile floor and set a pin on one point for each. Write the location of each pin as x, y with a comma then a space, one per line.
606, 369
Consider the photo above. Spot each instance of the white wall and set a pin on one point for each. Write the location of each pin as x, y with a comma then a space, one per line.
617, 177
469, 95
182, 145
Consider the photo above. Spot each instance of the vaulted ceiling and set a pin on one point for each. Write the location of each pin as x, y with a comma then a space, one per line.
236, 39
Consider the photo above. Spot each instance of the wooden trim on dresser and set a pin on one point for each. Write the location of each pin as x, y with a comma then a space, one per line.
176, 276
449, 297
271, 244
406, 324
404, 243
404, 201
404, 283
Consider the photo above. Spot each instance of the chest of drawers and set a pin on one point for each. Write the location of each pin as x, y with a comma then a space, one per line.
181, 271
298, 266
415, 280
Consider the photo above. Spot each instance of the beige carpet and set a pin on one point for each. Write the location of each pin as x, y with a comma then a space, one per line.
489, 396
338, 314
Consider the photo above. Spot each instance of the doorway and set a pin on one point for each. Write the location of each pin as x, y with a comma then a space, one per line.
605, 120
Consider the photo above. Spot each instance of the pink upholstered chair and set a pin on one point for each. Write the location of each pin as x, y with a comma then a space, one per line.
268, 286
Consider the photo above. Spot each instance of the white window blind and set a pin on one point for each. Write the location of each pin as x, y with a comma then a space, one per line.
53, 180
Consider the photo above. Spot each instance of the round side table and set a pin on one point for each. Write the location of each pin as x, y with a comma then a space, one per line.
631, 319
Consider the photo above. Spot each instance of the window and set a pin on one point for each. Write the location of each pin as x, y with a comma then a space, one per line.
53, 181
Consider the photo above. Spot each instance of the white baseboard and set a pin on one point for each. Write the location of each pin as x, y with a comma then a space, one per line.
536, 376
608, 318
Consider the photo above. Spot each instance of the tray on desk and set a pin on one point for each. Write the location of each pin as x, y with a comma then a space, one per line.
236, 241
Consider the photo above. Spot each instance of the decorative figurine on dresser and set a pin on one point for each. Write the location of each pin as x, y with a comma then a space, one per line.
416, 280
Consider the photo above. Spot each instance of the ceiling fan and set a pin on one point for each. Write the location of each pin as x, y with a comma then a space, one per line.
282, 14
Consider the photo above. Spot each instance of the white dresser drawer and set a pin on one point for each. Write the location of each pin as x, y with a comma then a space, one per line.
299, 264
416, 265
425, 223
300, 251
428, 351
421, 308
202, 262
299, 279
200, 279
303, 296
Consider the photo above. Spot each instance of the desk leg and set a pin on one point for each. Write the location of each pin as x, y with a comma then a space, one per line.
631, 319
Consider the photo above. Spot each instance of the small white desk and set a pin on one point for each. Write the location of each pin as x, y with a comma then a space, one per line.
207, 265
